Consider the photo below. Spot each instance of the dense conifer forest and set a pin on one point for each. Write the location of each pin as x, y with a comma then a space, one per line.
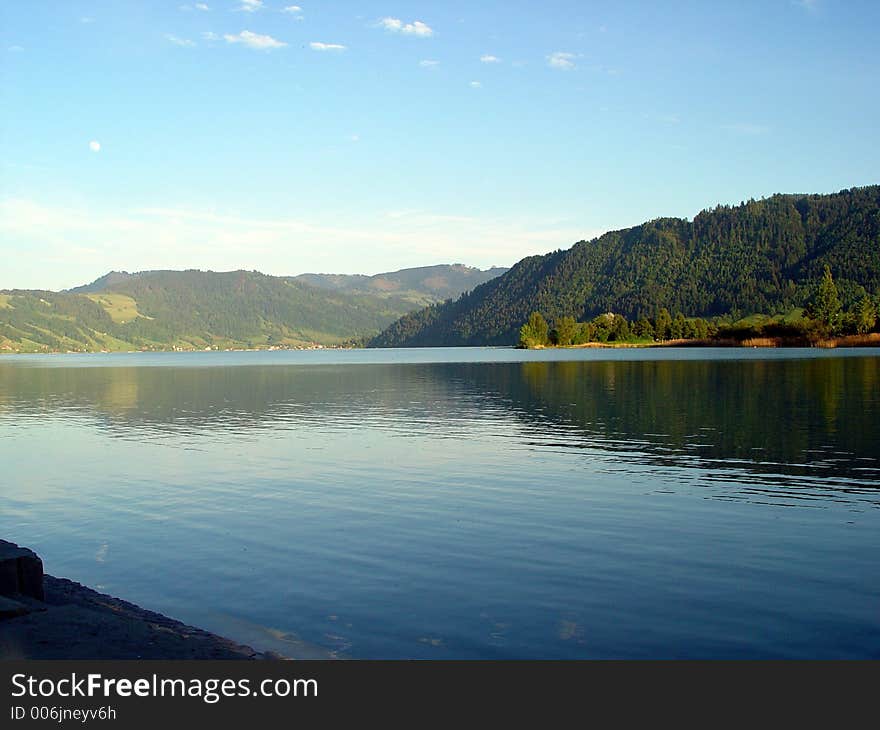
762, 257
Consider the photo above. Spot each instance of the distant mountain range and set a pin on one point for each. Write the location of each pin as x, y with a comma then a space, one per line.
199, 309
425, 284
763, 256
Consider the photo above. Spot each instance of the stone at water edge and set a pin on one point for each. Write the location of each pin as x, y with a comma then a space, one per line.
21, 571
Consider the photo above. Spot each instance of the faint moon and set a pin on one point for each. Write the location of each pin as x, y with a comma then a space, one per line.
95, 146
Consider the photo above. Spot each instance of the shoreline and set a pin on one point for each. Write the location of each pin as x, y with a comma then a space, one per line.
6, 351
44, 617
845, 341
869, 340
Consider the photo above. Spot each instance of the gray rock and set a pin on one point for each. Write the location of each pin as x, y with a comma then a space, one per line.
21, 571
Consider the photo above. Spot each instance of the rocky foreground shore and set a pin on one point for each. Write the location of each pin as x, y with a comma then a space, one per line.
42, 617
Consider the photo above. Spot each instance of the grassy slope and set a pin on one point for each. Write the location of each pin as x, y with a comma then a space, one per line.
121, 307
196, 309
190, 310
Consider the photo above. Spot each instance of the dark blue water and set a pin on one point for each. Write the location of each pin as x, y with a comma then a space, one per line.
463, 503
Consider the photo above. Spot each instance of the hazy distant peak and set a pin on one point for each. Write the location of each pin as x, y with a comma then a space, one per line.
434, 283
102, 283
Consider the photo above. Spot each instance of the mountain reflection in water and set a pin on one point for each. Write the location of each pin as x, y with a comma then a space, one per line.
555, 509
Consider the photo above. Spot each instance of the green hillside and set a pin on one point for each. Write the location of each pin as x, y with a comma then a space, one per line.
190, 310
762, 256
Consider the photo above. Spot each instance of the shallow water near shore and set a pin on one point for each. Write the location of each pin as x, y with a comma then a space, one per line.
463, 503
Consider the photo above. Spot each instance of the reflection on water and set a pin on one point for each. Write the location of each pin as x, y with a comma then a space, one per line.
592, 508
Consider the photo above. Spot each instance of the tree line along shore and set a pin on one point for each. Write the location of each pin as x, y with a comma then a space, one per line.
822, 322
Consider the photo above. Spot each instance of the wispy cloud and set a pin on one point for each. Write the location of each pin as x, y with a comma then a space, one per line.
292, 9
179, 41
318, 46
179, 238
210, 36
561, 60
250, 6
202, 7
255, 40
488, 58
95, 146
416, 28
428, 63
809, 5
101, 555
15, 49
86, 20
476, 85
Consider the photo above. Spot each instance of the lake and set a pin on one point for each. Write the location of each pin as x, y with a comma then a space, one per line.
463, 503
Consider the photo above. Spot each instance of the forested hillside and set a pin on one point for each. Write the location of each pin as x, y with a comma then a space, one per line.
760, 256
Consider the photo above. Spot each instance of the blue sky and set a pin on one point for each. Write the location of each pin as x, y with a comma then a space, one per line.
363, 137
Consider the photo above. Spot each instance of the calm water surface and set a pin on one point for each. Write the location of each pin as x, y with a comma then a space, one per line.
469, 503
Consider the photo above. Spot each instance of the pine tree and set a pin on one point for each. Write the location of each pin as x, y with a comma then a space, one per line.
677, 328
826, 306
866, 316
643, 328
662, 324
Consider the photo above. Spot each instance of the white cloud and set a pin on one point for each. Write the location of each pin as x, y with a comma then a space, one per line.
476, 85
561, 60
202, 7
354, 138
318, 46
86, 20
15, 49
416, 28
394, 24
209, 36
428, 63
179, 41
251, 6
293, 9
488, 58
255, 41
95, 146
